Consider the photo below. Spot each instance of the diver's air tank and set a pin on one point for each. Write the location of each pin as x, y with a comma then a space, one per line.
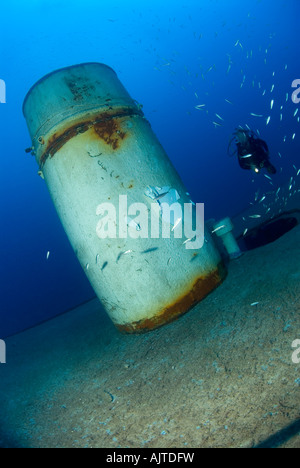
112, 185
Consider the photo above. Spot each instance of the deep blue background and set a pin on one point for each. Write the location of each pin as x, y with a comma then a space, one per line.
163, 53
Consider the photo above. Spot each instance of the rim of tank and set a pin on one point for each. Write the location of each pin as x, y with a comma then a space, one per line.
58, 71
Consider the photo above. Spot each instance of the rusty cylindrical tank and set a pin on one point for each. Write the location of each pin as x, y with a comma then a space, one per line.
95, 150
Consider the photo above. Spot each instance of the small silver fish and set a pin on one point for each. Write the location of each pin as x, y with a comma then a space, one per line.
153, 249
188, 240
176, 224
246, 156
122, 253
218, 228
157, 197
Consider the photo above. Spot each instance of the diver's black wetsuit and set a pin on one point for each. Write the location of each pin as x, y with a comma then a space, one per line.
256, 152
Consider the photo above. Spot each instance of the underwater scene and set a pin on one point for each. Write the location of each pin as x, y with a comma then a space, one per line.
150, 241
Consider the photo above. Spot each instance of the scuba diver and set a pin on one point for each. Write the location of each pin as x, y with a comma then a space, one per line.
252, 151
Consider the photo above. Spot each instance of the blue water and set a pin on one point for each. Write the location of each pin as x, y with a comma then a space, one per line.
171, 56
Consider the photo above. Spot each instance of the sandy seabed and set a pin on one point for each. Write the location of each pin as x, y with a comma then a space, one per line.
221, 376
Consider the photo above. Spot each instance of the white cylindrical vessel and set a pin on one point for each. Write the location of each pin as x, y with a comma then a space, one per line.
106, 172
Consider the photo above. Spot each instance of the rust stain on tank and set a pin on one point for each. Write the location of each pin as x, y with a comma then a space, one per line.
110, 132
199, 290
106, 126
79, 88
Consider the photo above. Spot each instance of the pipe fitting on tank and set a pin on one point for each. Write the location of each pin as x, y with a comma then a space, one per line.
223, 229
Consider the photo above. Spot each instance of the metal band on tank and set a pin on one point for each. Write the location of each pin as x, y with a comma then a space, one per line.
103, 123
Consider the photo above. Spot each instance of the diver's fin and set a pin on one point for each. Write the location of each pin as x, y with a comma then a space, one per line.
271, 169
